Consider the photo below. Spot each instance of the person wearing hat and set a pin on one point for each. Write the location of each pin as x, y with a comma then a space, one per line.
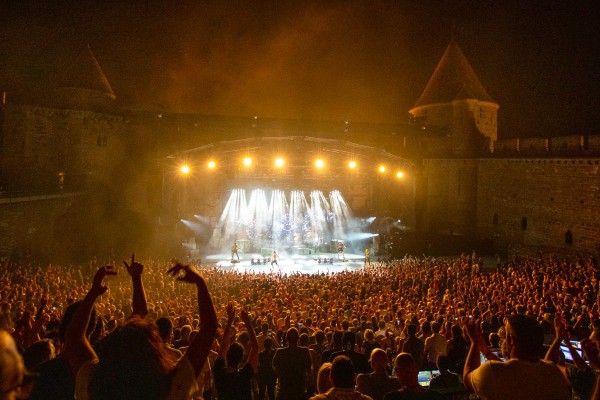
377, 383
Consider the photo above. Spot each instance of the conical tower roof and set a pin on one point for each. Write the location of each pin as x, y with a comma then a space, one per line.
85, 73
453, 79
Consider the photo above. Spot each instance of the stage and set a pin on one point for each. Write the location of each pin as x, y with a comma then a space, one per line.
297, 263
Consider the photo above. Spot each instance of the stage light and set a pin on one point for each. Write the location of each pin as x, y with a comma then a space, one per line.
247, 161
212, 164
184, 169
400, 175
352, 164
279, 162
382, 169
319, 163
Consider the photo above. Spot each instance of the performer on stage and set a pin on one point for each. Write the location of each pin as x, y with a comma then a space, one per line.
341, 248
274, 258
234, 250
367, 256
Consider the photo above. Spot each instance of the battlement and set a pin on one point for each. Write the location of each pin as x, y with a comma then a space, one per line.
560, 146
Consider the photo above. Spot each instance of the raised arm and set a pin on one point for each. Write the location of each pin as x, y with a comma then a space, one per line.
472, 362
253, 349
77, 349
559, 333
199, 348
135, 269
224, 346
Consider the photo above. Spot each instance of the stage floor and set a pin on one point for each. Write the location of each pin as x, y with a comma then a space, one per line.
305, 264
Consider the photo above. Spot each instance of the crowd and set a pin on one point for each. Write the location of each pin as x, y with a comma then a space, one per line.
162, 330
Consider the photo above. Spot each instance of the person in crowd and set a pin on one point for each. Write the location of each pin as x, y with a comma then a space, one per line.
12, 368
165, 331
292, 365
341, 376
360, 362
413, 345
132, 362
407, 372
435, 345
323, 381
524, 375
446, 382
233, 376
377, 383
266, 375
335, 346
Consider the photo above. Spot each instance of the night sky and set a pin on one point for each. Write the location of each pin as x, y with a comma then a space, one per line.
351, 60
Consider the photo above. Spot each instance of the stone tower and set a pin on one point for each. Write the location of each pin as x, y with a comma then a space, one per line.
455, 120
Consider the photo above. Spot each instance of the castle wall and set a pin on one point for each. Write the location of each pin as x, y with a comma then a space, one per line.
39, 143
27, 224
450, 195
537, 200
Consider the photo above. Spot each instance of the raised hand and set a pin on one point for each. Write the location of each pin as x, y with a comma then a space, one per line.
230, 312
98, 287
473, 329
190, 275
135, 268
559, 327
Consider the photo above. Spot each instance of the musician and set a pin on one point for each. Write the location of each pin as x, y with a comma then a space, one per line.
274, 258
234, 250
367, 256
341, 248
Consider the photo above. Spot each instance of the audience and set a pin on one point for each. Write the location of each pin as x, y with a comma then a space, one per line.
117, 339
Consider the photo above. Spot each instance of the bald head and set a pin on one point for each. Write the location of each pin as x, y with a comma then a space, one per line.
406, 369
379, 359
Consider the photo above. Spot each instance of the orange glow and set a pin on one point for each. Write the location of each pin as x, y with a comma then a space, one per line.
212, 164
247, 161
381, 168
279, 162
185, 169
352, 164
319, 163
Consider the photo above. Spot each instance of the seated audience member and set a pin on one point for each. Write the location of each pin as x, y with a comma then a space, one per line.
342, 381
524, 375
407, 372
377, 383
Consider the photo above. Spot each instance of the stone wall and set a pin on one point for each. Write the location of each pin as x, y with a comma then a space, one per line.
535, 202
27, 225
39, 143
